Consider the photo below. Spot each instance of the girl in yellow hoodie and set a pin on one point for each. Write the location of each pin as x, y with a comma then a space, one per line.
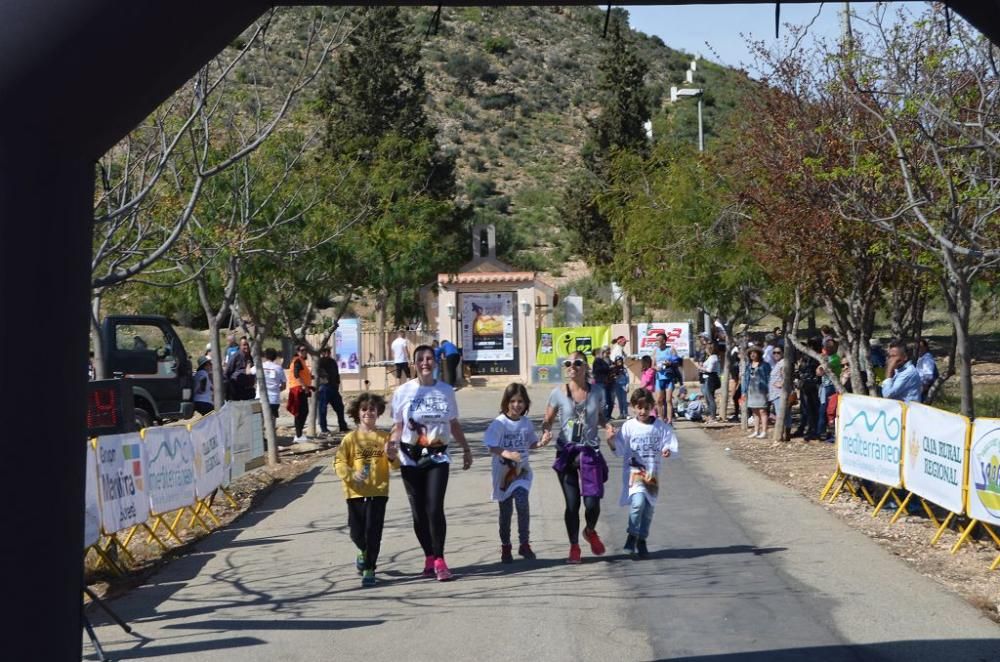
363, 462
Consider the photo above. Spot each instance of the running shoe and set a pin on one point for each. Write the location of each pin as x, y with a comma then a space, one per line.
359, 562
525, 551
574, 554
441, 570
596, 546
428, 566
368, 579
641, 549
505, 554
630, 544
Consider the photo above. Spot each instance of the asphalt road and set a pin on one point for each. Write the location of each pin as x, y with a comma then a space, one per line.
741, 569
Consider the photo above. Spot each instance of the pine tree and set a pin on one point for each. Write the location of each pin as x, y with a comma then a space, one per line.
619, 127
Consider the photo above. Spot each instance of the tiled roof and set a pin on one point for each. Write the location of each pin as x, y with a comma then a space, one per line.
482, 277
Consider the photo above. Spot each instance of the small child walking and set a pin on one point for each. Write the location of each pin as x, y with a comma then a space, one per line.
509, 439
642, 443
362, 462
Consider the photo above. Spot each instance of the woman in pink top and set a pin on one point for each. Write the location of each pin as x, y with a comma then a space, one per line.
647, 373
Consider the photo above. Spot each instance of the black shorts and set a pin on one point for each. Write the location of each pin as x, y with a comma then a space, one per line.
402, 369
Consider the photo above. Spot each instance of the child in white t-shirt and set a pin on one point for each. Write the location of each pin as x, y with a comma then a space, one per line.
642, 443
509, 438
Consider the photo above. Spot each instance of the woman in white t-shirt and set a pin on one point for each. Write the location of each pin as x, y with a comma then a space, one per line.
425, 419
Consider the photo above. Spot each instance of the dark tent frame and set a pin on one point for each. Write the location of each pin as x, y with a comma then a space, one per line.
71, 86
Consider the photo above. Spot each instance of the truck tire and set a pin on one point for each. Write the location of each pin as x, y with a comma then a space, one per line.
143, 419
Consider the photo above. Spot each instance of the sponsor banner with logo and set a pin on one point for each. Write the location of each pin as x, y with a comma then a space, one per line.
208, 439
227, 424
935, 455
91, 502
678, 337
121, 481
984, 471
546, 374
560, 342
870, 438
347, 347
488, 326
169, 468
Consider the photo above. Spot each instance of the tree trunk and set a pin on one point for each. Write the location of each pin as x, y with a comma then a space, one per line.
218, 384
963, 348
270, 435
100, 366
744, 412
314, 409
380, 339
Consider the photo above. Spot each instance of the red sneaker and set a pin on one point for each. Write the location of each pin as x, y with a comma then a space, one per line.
428, 566
441, 570
574, 554
596, 546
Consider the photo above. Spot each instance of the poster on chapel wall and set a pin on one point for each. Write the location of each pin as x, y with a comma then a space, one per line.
488, 326
346, 347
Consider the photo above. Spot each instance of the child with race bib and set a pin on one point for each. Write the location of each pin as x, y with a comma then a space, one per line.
642, 443
509, 439
363, 462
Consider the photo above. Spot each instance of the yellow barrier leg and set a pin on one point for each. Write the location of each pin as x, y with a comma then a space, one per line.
989, 530
965, 535
103, 556
867, 495
902, 507
229, 497
836, 492
930, 513
128, 538
115, 542
829, 484
155, 537
205, 506
941, 529
156, 525
881, 503
995, 564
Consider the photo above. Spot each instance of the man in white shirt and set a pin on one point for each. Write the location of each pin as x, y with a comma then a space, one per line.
274, 380
769, 343
401, 357
927, 368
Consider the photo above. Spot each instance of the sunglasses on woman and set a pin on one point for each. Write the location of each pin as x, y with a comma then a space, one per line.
575, 363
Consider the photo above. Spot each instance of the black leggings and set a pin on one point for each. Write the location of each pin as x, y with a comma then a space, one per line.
300, 418
365, 518
570, 482
425, 489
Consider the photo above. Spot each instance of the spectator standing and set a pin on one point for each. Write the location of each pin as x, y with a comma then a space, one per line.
601, 371
239, 381
809, 379
647, 376
298, 397
708, 370
755, 381
619, 385
231, 346
902, 379
204, 393
828, 382
618, 349
274, 380
328, 391
438, 359
776, 385
770, 341
877, 360
401, 356
451, 357
927, 367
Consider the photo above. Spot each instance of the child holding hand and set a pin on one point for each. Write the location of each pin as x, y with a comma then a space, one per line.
642, 443
362, 462
509, 438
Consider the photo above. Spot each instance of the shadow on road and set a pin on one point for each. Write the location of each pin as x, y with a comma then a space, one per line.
967, 650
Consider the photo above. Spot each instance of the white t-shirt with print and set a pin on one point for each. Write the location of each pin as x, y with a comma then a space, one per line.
274, 381
510, 435
424, 413
640, 446
399, 346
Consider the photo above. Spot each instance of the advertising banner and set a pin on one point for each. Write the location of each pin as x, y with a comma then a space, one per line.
563, 341
870, 438
488, 326
347, 346
678, 336
208, 439
91, 502
935, 455
121, 483
227, 424
169, 468
984, 471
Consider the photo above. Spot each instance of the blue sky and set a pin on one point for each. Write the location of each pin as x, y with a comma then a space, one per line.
688, 27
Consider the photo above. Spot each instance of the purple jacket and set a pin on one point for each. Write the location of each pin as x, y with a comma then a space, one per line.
589, 462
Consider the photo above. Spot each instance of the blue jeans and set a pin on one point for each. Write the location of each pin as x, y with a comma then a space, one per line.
640, 515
